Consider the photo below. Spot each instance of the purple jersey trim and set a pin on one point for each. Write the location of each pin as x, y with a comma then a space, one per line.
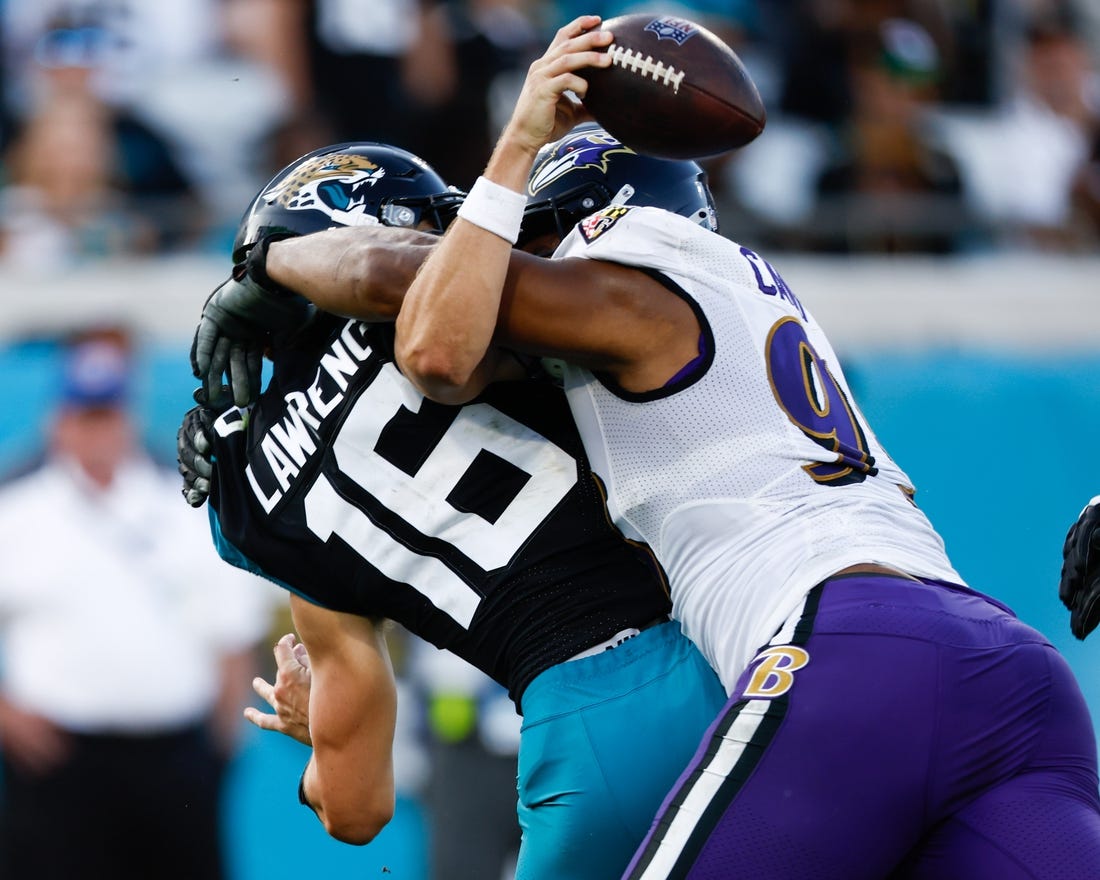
689, 367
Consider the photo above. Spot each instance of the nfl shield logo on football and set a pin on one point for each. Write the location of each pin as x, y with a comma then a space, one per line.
668, 28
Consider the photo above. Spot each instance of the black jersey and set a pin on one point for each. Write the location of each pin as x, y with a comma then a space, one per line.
479, 527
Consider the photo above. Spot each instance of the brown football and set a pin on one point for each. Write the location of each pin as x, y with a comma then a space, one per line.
674, 89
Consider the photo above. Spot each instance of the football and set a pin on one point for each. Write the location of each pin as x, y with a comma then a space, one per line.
674, 89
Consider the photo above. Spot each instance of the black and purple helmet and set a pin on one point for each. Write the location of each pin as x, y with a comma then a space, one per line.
589, 169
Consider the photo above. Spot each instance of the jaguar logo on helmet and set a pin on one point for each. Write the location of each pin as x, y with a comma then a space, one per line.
336, 184
583, 150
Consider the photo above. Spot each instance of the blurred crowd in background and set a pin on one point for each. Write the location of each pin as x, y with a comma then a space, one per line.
143, 128
895, 126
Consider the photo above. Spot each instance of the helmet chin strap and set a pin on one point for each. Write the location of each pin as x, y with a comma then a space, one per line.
362, 220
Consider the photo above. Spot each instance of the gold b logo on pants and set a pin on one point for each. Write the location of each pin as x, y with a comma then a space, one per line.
774, 673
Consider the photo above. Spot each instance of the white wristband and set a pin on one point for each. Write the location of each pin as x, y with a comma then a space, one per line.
494, 208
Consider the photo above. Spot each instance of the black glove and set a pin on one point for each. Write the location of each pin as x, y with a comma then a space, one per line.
1080, 586
193, 448
239, 320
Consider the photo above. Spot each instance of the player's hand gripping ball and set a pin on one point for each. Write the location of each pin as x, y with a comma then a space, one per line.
673, 90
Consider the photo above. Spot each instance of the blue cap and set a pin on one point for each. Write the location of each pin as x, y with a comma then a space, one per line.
97, 373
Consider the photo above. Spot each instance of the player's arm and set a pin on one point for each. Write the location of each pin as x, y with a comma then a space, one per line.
600, 315
607, 317
357, 272
475, 292
447, 322
348, 781
272, 297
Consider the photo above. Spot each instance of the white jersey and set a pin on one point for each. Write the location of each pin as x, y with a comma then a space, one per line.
754, 477
114, 607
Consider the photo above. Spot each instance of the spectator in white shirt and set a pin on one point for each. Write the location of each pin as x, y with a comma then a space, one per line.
126, 650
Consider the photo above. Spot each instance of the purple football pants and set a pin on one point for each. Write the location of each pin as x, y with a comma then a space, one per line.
893, 729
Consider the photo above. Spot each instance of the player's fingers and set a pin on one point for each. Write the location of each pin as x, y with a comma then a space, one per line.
192, 465
557, 79
194, 485
583, 51
286, 641
202, 447
1093, 502
577, 61
285, 654
196, 497
566, 73
578, 113
238, 374
265, 690
217, 366
578, 85
184, 444
568, 115
586, 45
254, 364
219, 359
261, 719
578, 25
301, 655
1089, 536
591, 40
566, 83
202, 348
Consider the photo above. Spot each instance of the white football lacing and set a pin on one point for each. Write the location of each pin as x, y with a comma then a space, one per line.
629, 60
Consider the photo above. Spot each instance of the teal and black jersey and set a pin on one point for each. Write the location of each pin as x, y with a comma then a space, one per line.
479, 528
